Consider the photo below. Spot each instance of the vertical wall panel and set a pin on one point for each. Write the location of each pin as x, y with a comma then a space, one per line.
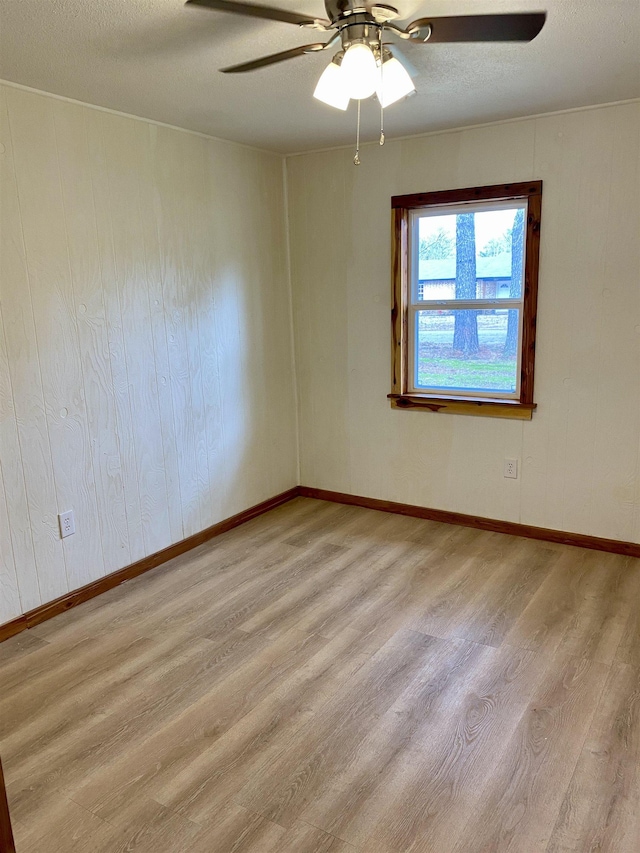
280, 433
88, 306
117, 353
193, 275
153, 255
615, 486
209, 337
123, 140
10, 605
321, 249
43, 222
32, 501
233, 305
169, 171
16, 542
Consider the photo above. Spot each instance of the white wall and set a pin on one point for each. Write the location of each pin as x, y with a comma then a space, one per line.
580, 453
145, 348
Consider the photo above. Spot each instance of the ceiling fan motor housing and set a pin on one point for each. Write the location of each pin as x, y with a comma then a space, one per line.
360, 28
339, 9
358, 23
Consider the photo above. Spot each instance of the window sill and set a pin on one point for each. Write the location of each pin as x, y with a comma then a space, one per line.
458, 406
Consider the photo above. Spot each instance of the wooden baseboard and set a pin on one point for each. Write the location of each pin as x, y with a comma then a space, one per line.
6, 835
77, 596
581, 540
9, 629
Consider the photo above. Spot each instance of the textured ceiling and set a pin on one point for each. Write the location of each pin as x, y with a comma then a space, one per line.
159, 60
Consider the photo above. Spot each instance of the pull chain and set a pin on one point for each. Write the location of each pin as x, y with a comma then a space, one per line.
356, 159
381, 86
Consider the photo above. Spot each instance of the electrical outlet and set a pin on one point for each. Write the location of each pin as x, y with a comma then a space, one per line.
511, 469
67, 523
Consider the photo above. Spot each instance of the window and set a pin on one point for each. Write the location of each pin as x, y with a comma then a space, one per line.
465, 280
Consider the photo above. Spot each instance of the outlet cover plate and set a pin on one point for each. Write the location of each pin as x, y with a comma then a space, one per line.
511, 469
67, 524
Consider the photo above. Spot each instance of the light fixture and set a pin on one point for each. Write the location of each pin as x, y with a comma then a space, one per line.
363, 67
360, 71
394, 82
356, 74
331, 87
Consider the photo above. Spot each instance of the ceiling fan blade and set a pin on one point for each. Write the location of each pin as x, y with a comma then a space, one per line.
253, 10
513, 27
273, 58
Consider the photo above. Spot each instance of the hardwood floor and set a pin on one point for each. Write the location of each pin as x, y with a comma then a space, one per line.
330, 679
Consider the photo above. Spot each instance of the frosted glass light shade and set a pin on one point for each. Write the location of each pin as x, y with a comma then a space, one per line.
394, 82
360, 71
331, 88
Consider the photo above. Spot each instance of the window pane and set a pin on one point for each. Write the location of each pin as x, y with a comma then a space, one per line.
477, 255
467, 351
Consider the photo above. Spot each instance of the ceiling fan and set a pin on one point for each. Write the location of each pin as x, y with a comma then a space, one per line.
365, 64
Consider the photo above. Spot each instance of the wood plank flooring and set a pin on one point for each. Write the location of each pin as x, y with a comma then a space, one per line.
330, 679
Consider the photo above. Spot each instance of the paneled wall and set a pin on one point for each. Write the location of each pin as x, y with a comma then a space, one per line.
146, 372
580, 453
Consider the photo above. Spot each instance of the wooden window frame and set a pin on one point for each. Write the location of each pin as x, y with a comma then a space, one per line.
401, 396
